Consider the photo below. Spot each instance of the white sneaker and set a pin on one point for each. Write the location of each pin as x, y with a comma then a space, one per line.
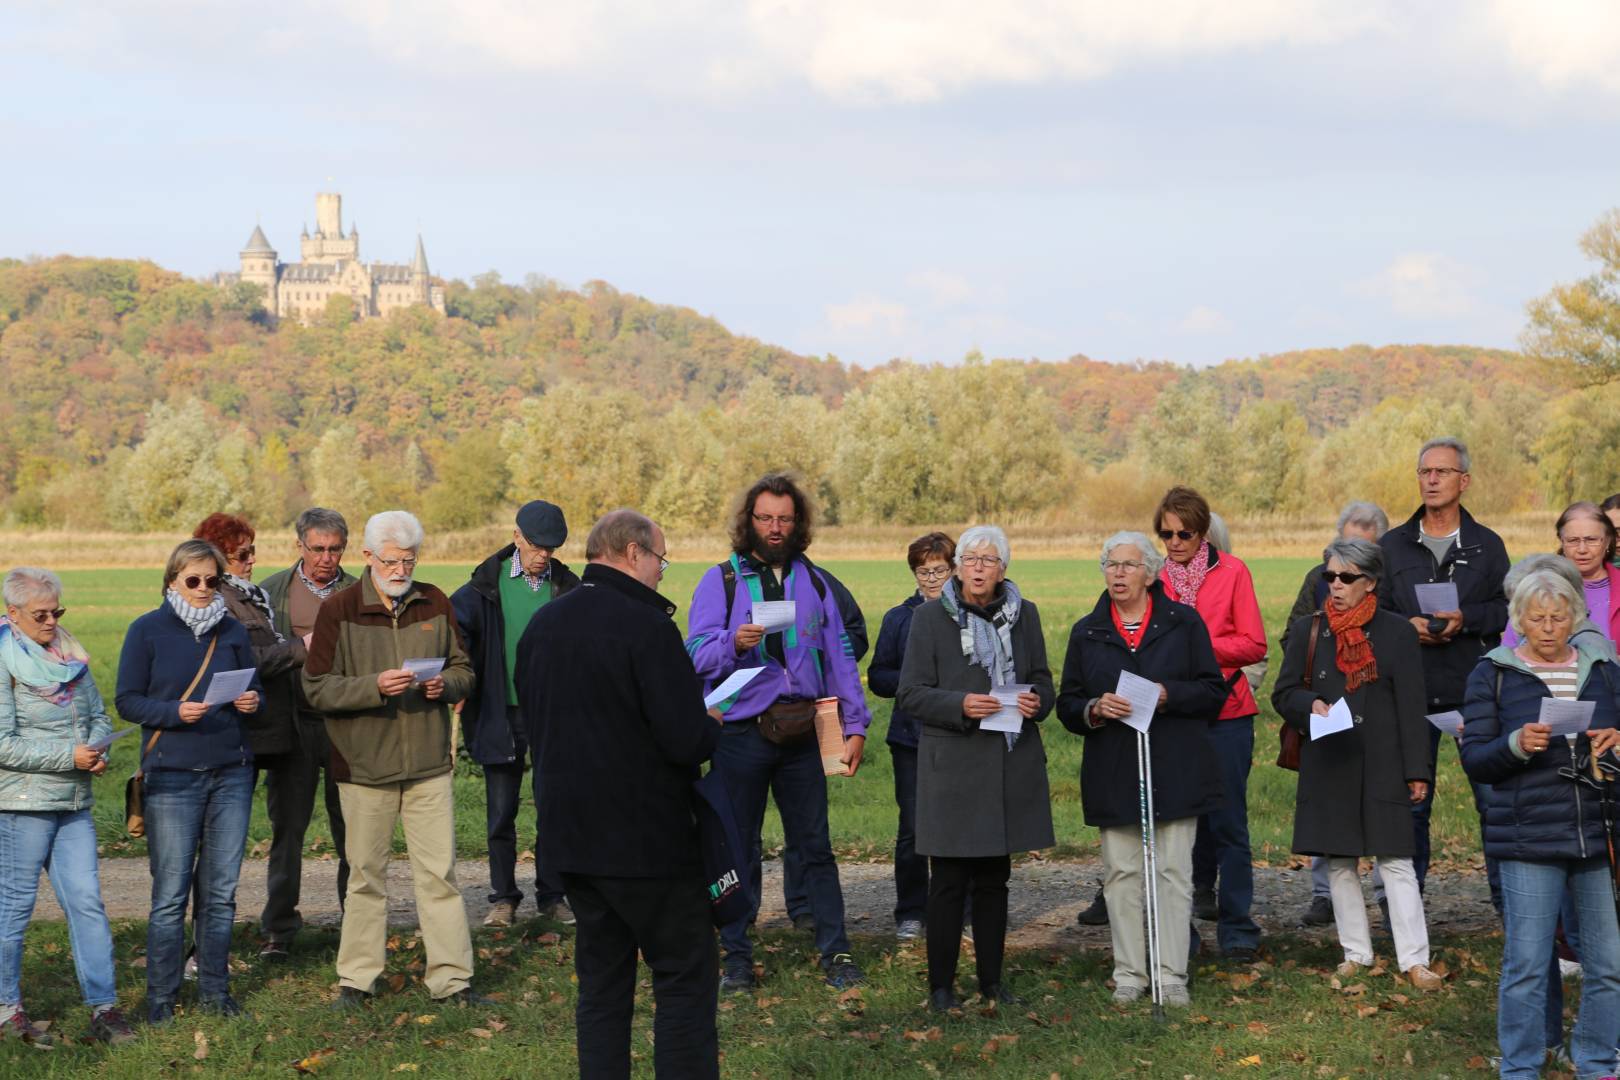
1124, 995
1176, 997
1569, 969
189, 972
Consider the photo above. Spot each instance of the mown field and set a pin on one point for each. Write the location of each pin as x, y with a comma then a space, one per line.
1279, 1018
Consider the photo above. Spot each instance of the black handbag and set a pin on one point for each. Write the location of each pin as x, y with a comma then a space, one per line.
723, 851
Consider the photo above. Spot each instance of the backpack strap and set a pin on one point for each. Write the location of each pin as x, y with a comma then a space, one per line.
728, 578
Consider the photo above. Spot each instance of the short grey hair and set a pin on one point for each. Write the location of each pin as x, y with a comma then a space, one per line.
1448, 442
1366, 556
1547, 586
1546, 561
25, 583
320, 519
1151, 559
1366, 515
984, 535
1218, 534
615, 531
400, 526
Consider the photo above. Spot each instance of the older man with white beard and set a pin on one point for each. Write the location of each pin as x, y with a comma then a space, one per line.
384, 666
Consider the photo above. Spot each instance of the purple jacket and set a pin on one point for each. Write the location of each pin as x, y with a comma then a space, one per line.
820, 661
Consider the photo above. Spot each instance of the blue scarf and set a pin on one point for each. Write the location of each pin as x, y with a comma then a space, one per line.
988, 644
30, 664
199, 620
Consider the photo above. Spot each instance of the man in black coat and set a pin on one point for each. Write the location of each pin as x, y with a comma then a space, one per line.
615, 714
492, 610
1442, 542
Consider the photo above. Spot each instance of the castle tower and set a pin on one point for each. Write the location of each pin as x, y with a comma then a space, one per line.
259, 266
329, 245
421, 284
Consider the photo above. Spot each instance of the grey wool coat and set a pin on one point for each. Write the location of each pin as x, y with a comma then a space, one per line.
1352, 796
975, 797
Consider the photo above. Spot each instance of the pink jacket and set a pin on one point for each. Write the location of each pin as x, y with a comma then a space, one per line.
1229, 609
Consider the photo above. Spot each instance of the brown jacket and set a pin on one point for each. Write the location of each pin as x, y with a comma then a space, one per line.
376, 739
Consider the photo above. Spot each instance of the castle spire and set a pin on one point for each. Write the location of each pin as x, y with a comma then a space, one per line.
257, 244
419, 264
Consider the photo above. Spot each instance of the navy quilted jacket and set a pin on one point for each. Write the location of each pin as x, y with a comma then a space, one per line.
1534, 814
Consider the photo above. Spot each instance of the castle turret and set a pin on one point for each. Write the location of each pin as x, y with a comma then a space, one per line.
329, 245
259, 266
421, 284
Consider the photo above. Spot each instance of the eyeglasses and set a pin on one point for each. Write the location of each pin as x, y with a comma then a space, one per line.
663, 563
784, 520
938, 573
1115, 566
1330, 576
245, 554
407, 563
335, 549
989, 562
1584, 542
1437, 474
1180, 534
43, 617
191, 581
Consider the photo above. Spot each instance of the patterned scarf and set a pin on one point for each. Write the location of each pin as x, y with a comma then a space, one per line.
49, 672
1352, 651
988, 643
1187, 580
199, 620
322, 591
258, 598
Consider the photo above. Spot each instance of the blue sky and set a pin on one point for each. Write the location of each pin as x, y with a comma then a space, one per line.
1173, 180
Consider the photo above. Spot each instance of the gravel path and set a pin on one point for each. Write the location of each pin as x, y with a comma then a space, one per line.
1045, 897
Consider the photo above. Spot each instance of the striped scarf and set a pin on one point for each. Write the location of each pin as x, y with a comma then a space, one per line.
988, 643
199, 620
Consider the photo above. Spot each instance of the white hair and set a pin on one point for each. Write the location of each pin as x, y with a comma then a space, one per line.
1217, 533
26, 583
1151, 559
1549, 587
984, 536
400, 526
1365, 515
1448, 442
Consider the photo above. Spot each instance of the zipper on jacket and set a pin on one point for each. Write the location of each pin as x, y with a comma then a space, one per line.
404, 729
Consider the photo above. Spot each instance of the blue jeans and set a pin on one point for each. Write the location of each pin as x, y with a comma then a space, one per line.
63, 844
1223, 836
1532, 893
1420, 824
196, 827
752, 765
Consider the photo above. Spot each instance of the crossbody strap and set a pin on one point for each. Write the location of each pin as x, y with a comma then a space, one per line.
1310, 649
195, 679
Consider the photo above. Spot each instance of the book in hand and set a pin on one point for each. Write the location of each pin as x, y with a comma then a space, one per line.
830, 737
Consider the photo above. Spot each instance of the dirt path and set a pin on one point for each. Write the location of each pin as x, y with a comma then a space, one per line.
1046, 896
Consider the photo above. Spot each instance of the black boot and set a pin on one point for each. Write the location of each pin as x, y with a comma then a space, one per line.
1097, 913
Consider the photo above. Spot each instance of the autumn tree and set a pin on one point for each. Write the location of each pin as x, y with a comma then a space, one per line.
1580, 321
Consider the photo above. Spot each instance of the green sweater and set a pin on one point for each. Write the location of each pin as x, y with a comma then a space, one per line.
518, 605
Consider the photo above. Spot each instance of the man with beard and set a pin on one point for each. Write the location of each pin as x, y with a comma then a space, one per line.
371, 672
768, 738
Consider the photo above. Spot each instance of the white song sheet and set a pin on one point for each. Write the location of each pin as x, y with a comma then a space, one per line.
1566, 717
1437, 596
733, 684
775, 615
1449, 722
1008, 719
1338, 719
1143, 694
423, 668
227, 686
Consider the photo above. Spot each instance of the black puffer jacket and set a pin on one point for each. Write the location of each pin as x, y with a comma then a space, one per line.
1534, 814
1175, 652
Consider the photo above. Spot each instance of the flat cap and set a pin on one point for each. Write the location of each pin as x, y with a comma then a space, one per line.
542, 524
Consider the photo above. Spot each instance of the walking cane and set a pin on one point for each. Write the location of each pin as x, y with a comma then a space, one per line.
1150, 867
1603, 772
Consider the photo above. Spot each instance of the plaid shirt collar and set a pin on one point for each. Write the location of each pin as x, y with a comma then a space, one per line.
534, 583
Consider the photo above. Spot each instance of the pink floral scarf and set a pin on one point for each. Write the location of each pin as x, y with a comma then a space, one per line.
1187, 580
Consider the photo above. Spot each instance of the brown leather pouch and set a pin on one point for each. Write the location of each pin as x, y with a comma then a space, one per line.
788, 722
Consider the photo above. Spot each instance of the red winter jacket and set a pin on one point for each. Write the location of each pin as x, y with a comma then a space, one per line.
1228, 607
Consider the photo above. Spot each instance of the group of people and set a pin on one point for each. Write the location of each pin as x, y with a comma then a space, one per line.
586, 679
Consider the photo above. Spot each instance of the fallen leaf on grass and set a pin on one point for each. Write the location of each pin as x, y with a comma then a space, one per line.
401, 1018
997, 1042
931, 1035
406, 1066
1249, 1062
1243, 980
396, 983
315, 1061
1477, 1062
201, 1053
481, 1033
497, 1024
427, 1019
1258, 1028
550, 937
852, 994
1364, 1011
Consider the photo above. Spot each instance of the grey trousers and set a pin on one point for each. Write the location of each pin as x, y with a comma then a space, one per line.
290, 782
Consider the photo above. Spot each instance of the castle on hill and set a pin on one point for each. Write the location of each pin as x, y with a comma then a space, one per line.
329, 265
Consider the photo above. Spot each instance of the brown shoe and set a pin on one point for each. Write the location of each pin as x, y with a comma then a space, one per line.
501, 914
1349, 969
110, 1027
19, 1027
1423, 978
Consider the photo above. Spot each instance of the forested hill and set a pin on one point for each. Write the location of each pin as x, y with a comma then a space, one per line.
134, 397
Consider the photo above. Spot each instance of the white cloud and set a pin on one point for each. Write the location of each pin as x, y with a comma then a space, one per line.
1423, 285
941, 287
1203, 321
868, 315
1561, 44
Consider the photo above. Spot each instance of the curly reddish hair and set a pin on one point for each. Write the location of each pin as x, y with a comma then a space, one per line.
228, 532
742, 521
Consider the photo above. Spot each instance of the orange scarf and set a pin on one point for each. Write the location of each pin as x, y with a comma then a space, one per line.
1352, 651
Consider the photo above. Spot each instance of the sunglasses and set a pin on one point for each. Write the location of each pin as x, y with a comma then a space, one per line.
42, 617
191, 581
1330, 576
246, 553
1181, 534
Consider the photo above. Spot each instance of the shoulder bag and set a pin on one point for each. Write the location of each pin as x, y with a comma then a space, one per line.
134, 797
1292, 740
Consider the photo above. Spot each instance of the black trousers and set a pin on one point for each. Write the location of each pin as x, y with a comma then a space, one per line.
290, 783
949, 883
503, 792
667, 921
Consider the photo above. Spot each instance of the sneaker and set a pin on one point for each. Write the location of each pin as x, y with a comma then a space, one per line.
189, 972
467, 997
1569, 969
110, 1027
1000, 995
273, 952
1559, 1058
159, 1014
738, 979
943, 1000
1320, 913
18, 1026
1205, 906
1242, 954
908, 930
1423, 978
1175, 997
1349, 969
1097, 913
224, 1005
804, 922
1124, 995
350, 997
842, 972
558, 911
500, 914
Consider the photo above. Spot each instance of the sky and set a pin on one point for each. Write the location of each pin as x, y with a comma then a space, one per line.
1172, 180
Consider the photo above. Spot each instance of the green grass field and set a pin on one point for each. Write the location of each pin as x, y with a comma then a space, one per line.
101, 603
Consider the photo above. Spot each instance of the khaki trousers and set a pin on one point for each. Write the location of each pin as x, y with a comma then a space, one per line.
1127, 912
427, 809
